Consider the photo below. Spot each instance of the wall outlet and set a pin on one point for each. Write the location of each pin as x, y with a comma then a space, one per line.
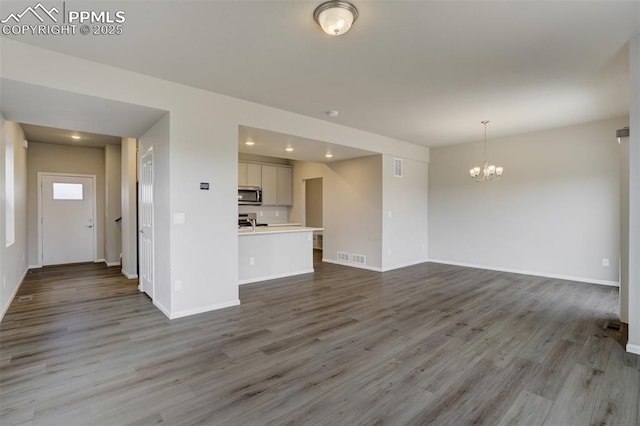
252, 261
177, 285
422, 246
277, 213
390, 214
179, 218
605, 262
261, 213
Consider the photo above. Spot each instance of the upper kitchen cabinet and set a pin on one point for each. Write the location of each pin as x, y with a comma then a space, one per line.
285, 197
249, 174
276, 186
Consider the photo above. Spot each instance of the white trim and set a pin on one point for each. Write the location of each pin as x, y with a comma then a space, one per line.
353, 265
404, 265
100, 261
34, 267
634, 349
109, 264
203, 309
165, 311
95, 211
13, 295
275, 276
524, 272
128, 275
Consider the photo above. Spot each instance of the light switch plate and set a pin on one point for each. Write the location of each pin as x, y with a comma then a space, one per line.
179, 218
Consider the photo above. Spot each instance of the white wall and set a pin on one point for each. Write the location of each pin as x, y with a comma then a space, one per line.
352, 206
633, 344
555, 212
13, 259
203, 147
52, 158
113, 204
128, 178
405, 213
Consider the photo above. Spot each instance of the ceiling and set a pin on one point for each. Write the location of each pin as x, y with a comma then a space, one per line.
272, 144
44, 134
425, 72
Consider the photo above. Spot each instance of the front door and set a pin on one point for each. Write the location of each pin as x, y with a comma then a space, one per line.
68, 219
145, 220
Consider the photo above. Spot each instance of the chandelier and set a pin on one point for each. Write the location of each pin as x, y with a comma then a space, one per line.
488, 171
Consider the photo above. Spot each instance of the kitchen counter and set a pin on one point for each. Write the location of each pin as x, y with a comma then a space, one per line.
274, 252
275, 230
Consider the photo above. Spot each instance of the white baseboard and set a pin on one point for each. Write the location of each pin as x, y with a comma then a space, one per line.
100, 261
189, 312
524, 272
34, 266
404, 265
128, 275
162, 309
112, 263
353, 265
5, 308
634, 349
275, 276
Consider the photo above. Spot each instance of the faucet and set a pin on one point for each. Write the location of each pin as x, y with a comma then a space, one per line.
252, 220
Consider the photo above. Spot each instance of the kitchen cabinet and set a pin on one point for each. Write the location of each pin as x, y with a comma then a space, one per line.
285, 197
249, 174
276, 186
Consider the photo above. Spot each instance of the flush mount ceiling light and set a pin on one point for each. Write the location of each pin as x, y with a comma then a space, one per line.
76, 137
488, 171
289, 149
328, 155
250, 143
335, 17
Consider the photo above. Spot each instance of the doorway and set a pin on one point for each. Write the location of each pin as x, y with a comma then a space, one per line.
67, 211
313, 210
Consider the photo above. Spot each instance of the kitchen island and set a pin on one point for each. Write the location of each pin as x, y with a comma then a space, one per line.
272, 252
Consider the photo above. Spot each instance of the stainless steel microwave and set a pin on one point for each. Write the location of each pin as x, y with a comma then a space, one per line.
250, 195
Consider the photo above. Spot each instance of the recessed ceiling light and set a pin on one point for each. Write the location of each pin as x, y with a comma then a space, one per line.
75, 137
328, 155
250, 143
333, 113
289, 149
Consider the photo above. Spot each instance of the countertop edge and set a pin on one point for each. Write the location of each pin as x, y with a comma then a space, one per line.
278, 230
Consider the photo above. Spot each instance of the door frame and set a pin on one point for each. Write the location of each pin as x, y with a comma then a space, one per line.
40, 263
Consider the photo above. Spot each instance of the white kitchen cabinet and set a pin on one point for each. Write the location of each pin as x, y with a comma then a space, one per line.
285, 197
276, 186
249, 174
269, 185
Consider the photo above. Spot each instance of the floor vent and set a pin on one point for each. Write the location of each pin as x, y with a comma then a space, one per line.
343, 257
28, 298
359, 259
612, 325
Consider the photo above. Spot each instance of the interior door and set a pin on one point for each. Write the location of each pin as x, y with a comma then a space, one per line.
68, 219
145, 220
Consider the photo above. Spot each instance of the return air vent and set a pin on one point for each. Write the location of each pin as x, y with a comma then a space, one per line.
343, 257
360, 259
28, 298
397, 167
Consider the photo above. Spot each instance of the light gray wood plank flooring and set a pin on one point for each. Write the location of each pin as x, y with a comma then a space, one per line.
428, 344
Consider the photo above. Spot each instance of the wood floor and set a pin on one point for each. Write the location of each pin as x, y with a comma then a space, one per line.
428, 344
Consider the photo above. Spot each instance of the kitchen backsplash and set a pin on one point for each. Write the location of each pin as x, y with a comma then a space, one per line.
268, 215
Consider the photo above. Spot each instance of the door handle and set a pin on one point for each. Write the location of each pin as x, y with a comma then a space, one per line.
89, 226
142, 231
